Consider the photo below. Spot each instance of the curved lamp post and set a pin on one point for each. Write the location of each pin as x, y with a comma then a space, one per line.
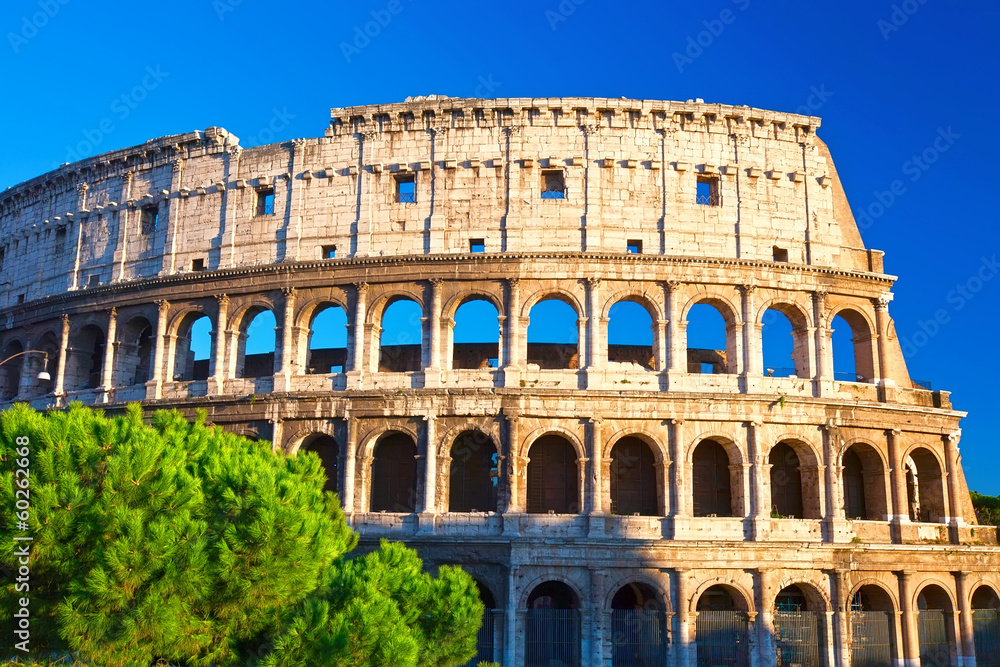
44, 374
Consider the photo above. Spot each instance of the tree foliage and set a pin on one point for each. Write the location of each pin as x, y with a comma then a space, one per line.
987, 509
183, 542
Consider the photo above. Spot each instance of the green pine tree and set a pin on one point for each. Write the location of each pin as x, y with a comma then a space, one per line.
185, 543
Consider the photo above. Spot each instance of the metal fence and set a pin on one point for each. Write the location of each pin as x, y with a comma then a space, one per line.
484, 640
871, 638
933, 635
722, 639
552, 638
986, 633
638, 638
797, 638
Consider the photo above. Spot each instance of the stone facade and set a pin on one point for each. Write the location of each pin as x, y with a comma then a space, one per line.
107, 263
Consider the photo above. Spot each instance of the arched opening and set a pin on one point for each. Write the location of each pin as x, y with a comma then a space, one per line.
786, 482
476, 335
872, 627
134, 357
394, 474
798, 633
784, 342
712, 480
327, 350
193, 348
10, 372
935, 630
473, 478
639, 627
710, 343
329, 455
722, 628
400, 340
633, 478
553, 484
258, 338
924, 487
853, 360
485, 636
85, 359
553, 335
864, 484
552, 626
48, 344
986, 626
631, 335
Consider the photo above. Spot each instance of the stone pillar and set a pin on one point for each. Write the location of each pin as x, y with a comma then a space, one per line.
217, 383
765, 617
966, 638
60, 383
277, 435
595, 367
753, 363
680, 489
881, 323
911, 640
107, 372
597, 625
597, 510
514, 508
660, 337
350, 461
356, 375
512, 615
952, 459
676, 331
758, 505
840, 640
154, 388
512, 369
428, 507
823, 362
686, 648
897, 473
283, 378
432, 374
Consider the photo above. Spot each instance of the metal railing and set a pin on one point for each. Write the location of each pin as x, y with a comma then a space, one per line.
986, 636
707, 200
722, 639
406, 197
552, 637
871, 638
554, 194
638, 638
933, 635
484, 640
797, 638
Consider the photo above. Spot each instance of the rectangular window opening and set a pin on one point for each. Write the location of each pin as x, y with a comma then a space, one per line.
477, 245
93, 280
20, 298
198, 264
265, 201
147, 221
60, 240
780, 254
406, 189
708, 191
553, 184
329, 252
633, 247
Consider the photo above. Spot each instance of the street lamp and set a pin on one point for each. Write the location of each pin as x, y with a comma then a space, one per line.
44, 374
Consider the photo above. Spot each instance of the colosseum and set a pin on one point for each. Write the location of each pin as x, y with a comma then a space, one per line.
427, 297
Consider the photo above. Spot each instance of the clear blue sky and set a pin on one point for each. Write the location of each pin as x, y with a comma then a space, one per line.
271, 72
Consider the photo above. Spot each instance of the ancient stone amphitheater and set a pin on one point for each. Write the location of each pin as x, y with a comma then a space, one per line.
648, 503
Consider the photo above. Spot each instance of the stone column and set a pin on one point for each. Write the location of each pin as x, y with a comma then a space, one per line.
350, 461
840, 644
121, 242
897, 473
753, 362
78, 222
107, 372
286, 369
686, 648
881, 323
597, 626
154, 388
765, 617
512, 369
356, 375
823, 362
60, 383
834, 519
512, 614
432, 374
680, 489
217, 383
676, 331
758, 506
911, 640
515, 471
660, 337
952, 459
428, 508
598, 511
595, 366
966, 638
